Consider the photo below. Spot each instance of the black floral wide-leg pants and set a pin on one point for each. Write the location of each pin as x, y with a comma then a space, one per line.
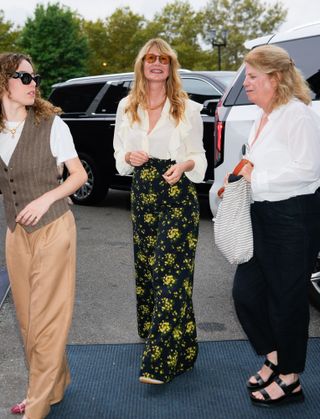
165, 234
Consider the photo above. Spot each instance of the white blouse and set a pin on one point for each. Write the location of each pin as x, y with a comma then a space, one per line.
165, 141
61, 141
286, 154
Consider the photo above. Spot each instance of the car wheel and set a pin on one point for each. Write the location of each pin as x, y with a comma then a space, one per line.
96, 187
314, 288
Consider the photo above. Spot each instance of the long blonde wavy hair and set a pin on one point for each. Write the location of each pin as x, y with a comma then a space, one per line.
139, 92
276, 62
9, 62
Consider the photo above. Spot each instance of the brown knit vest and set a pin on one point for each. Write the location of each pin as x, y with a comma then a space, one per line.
31, 171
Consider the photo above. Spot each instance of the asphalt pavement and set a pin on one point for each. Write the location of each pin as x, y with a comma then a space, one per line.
105, 301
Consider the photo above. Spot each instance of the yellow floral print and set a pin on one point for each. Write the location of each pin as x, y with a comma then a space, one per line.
174, 191
173, 233
165, 229
169, 280
167, 304
164, 327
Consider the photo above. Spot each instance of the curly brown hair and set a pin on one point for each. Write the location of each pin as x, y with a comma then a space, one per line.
176, 95
9, 62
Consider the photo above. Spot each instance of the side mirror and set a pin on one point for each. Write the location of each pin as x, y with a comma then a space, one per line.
209, 107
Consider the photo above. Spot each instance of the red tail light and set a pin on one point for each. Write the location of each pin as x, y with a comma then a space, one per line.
218, 137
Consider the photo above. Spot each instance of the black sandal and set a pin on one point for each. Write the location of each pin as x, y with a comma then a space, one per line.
288, 397
260, 382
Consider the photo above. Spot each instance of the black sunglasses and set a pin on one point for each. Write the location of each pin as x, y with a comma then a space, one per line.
26, 78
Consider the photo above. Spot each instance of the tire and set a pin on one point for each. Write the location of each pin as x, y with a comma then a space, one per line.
314, 287
96, 187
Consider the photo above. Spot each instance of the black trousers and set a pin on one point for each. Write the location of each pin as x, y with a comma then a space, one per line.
271, 290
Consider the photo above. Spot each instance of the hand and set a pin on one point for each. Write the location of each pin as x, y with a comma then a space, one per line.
33, 212
137, 158
226, 179
174, 173
246, 171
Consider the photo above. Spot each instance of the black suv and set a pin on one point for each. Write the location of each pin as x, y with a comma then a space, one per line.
89, 107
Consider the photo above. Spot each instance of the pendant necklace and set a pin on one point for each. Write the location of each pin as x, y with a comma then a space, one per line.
13, 130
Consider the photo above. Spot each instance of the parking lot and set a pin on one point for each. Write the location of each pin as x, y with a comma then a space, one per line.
105, 301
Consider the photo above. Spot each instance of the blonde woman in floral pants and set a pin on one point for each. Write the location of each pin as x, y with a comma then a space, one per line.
158, 138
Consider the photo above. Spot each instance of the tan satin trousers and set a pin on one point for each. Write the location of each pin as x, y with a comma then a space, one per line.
41, 267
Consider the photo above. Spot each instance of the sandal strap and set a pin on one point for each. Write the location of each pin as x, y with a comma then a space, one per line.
266, 395
271, 365
287, 388
259, 380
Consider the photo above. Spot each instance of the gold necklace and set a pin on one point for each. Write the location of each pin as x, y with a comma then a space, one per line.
158, 106
13, 130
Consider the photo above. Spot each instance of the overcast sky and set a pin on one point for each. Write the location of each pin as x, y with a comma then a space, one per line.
300, 12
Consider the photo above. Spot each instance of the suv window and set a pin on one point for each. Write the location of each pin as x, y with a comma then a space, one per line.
298, 49
115, 92
199, 90
75, 98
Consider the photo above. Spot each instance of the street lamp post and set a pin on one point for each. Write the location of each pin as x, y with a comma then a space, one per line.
213, 36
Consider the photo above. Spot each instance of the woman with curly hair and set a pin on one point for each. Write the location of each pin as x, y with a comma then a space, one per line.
158, 138
40, 240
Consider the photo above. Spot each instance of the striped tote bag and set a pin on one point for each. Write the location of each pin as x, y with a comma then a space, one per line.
232, 226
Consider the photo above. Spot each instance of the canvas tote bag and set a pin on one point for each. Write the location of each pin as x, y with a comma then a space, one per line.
232, 226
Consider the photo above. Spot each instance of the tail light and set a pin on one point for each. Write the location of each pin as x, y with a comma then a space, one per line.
218, 137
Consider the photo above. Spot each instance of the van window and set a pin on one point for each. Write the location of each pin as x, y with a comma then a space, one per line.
199, 90
115, 92
75, 98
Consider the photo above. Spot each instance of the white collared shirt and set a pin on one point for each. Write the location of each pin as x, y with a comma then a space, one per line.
165, 141
61, 141
286, 154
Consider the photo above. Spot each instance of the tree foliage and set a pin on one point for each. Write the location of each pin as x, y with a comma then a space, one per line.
64, 45
180, 25
54, 39
243, 19
8, 35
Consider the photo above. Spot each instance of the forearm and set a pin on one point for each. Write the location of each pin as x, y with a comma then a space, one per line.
73, 182
187, 165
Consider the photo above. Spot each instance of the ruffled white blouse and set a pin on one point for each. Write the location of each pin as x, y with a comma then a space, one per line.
166, 140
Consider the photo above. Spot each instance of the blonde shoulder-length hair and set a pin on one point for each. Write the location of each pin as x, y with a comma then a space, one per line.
276, 62
9, 62
138, 94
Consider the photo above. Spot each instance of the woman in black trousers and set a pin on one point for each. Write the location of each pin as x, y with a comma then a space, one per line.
271, 290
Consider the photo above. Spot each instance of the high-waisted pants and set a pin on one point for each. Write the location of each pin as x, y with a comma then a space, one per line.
271, 290
165, 233
41, 267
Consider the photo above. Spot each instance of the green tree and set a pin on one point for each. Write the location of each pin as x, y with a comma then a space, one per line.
243, 19
56, 43
97, 37
8, 34
115, 41
180, 25
125, 36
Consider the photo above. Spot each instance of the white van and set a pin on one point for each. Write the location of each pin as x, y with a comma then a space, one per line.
235, 113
